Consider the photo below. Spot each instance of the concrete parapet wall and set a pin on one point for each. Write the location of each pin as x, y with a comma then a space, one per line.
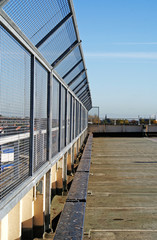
115, 128
151, 128
123, 128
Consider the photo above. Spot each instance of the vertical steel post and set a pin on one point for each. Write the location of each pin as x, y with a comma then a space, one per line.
80, 119
31, 147
71, 118
74, 118
49, 117
78, 125
60, 108
66, 116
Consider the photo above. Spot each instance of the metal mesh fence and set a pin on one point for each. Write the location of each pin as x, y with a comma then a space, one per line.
80, 86
69, 97
50, 26
69, 62
63, 117
77, 82
74, 118
36, 18
93, 116
55, 117
81, 91
14, 113
74, 73
24, 95
80, 122
57, 43
40, 115
77, 119
82, 118
71, 119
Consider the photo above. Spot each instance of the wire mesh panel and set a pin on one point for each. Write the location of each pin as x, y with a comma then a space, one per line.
57, 43
84, 118
74, 117
63, 117
74, 73
93, 115
14, 113
71, 120
36, 18
55, 117
50, 27
82, 90
79, 79
68, 62
80, 118
69, 97
85, 99
40, 115
78, 87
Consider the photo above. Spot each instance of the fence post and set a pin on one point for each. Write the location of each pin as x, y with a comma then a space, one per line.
49, 117
31, 150
60, 125
66, 117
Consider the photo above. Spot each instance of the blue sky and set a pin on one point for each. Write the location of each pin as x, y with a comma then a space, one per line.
120, 48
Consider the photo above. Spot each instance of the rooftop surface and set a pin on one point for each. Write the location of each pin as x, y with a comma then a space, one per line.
122, 190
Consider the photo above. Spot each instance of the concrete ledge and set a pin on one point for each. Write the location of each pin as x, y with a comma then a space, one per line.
71, 222
78, 190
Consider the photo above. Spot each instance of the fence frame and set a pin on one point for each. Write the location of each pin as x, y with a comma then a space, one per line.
9, 201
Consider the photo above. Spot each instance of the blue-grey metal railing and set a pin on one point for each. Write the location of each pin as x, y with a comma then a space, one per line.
39, 113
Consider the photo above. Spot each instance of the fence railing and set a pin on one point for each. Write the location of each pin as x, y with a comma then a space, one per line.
39, 114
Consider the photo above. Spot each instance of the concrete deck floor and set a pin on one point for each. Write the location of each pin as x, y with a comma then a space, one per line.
122, 190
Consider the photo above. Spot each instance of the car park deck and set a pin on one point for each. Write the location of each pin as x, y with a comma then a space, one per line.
122, 190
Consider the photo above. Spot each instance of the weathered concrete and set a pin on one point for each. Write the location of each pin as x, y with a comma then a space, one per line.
151, 128
115, 128
122, 190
